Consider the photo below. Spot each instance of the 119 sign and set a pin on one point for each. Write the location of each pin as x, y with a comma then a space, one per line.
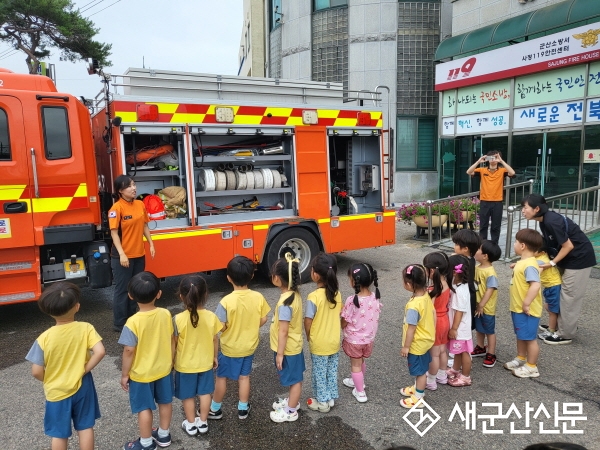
466, 69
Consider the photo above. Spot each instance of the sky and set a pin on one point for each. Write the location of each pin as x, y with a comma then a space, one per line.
184, 35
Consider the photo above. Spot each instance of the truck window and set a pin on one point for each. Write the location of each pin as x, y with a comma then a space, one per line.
4, 139
57, 141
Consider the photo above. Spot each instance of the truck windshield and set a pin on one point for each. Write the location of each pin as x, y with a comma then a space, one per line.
56, 132
4, 138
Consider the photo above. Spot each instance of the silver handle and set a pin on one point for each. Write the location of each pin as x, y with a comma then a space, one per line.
35, 177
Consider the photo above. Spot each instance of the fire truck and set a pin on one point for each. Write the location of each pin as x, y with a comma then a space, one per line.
259, 167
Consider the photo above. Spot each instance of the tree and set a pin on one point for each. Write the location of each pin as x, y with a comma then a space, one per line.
36, 26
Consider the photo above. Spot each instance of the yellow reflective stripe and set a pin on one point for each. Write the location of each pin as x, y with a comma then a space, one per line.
260, 227
344, 123
278, 112
379, 123
127, 117
294, 121
54, 204
247, 120
81, 190
12, 192
358, 217
327, 220
187, 118
329, 114
165, 108
182, 234
389, 213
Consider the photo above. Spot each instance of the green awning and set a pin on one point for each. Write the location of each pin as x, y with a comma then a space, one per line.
516, 29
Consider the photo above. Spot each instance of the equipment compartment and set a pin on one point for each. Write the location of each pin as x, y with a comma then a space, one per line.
243, 172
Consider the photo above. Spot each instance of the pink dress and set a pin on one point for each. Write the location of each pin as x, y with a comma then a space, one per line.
443, 322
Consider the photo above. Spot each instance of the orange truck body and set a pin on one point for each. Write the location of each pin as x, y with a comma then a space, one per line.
56, 173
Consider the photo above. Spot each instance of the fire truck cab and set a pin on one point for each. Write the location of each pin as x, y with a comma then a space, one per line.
243, 166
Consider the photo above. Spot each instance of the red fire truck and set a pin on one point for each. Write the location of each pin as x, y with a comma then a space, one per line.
243, 166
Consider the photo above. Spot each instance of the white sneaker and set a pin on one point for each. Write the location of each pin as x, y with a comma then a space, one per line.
349, 382
282, 403
361, 397
526, 372
331, 403
201, 426
280, 416
190, 430
514, 364
544, 335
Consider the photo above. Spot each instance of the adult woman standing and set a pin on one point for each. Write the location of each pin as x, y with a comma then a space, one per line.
128, 223
574, 256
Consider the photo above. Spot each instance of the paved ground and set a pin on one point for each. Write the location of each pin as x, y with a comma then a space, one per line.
568, 374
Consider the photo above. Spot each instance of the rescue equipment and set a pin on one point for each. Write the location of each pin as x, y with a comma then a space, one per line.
155, 207
148, 153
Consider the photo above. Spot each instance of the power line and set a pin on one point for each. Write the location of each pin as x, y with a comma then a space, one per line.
10, 54
87, 4
6, 51
95, 3
104, 8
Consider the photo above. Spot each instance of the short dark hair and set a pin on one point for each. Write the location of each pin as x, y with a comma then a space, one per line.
532, 239
494, 152
241, 270
144, 287
59, 298
467, 238
120, 183
534, 201
491, 249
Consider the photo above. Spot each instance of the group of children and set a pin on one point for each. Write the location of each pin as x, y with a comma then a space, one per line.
452, 295
165, 356
179, 356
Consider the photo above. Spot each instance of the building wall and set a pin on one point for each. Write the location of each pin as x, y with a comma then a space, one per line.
251, 54
296, 40
468, 15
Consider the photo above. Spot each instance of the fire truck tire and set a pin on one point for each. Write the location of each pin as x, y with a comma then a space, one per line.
300, 242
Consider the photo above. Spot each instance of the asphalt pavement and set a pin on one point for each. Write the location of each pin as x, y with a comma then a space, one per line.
524, 409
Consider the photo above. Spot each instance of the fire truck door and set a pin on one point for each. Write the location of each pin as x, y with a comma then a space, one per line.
60, 194
16, 222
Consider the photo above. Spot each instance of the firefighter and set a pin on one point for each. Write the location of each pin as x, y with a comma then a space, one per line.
128, 222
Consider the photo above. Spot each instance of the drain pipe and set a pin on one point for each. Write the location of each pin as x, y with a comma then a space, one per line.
390, 160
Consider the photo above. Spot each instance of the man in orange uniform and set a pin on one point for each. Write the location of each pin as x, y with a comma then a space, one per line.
491, 192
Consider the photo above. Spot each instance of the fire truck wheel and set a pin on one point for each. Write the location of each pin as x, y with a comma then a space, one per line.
300, 242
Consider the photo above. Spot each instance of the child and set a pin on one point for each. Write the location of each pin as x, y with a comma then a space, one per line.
360, 319
460, 342
466, 243
486, 281
197, 344
323, 329
62, 362
418, 333
147, 362
437, 266
526, 304
286, 338
551, 282
242, 313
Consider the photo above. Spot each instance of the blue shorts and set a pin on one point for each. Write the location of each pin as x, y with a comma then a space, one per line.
234, 368
418, 364
82, 407
526, 327
188, 385
485, 324
142, 396
552, 298
293, 368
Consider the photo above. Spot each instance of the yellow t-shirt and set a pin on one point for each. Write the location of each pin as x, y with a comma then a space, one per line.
551, 276
195, 346
293, 346
326, 327
65, 349
525, 271
153, 359
421, 316
242, 311
487, 278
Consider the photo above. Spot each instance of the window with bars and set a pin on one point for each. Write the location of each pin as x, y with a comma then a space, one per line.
416, 143
330, 46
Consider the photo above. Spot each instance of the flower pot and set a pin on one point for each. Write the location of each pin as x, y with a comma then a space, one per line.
436, 221
465, 216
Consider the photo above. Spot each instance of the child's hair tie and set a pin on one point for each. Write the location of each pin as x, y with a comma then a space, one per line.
290, 260
458, 268
330, 267
409, 270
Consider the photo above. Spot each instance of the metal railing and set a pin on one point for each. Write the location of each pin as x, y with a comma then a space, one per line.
581, 207
517, 190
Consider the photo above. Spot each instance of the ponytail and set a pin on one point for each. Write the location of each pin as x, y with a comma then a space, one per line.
325, 266
363, 275
194, 293
288, 271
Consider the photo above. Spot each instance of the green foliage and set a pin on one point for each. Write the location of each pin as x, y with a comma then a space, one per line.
37, 26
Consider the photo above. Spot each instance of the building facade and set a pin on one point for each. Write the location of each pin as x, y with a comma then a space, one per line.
363, 44
529, 86
251, 56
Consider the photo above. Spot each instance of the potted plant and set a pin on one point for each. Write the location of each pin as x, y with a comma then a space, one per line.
417, 213
463, 209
